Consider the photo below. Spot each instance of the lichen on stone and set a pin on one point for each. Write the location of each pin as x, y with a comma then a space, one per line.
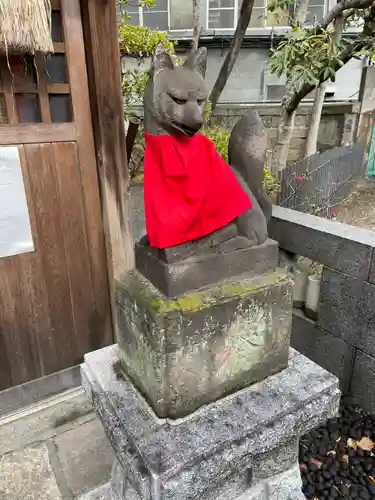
201, 299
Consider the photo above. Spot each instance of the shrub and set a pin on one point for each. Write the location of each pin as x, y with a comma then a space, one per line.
220, 137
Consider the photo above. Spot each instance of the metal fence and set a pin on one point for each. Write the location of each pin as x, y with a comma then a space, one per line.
320, 182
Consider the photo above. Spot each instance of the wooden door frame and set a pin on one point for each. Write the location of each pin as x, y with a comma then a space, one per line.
104, 81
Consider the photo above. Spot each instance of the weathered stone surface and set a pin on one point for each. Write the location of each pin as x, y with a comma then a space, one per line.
229, 450
28, 394
85, 457
339, 246
346, 309
363, 382
27, 474
284, 486
101, 493
328, 351
202, 246
48, 422
179, 277
186, 352
372, 269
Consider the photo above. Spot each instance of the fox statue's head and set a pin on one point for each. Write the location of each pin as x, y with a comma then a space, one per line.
175, 95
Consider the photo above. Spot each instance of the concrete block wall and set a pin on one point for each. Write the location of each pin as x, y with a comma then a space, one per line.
337, 128
342, 340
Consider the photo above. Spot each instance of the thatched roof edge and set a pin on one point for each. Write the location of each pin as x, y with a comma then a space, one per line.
25, 26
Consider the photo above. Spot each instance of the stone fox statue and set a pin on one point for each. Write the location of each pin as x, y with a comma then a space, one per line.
174, 109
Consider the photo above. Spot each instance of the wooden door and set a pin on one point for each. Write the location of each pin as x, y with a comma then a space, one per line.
54, 302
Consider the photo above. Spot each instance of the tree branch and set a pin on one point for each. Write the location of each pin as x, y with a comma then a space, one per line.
340, 7
346, 54
230, 59
197, 27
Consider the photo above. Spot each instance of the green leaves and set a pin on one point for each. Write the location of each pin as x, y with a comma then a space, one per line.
279, 5
305, 55
140, 41
220, 137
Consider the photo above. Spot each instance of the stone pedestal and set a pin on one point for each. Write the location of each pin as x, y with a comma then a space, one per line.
187, 351
243, 447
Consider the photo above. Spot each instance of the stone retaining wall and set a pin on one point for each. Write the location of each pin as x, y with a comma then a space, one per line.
337, 127
342, 340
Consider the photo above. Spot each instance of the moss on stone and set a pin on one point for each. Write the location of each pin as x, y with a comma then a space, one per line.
195, 301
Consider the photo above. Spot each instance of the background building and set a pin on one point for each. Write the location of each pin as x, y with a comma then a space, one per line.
251, 80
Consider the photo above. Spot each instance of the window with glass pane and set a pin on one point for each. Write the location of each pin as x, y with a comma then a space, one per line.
28, 108
258, 18
56, 68
181, 15
156, 20
221, 14
156, 17
3, 111
57, 32
315, 13
221, 4
221, 19
61, 109
259, 14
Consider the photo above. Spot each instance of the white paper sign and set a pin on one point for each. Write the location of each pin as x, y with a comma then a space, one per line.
15, 230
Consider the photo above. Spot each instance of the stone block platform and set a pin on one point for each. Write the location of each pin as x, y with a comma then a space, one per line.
243, 447
192, 350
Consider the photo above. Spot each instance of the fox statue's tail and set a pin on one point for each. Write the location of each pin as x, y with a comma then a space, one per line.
246, 153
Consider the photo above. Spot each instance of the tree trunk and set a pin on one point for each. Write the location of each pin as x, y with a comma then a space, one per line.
286, 125
284, 136
316, 112
301, 12
197, 26
230, 59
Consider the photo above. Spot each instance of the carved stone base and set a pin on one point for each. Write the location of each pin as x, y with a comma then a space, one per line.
244, 447
186, 352
174, 275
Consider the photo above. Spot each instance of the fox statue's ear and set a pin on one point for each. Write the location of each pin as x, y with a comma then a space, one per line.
161, 59
197, 60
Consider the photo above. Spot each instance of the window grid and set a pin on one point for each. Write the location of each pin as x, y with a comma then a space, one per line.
262, 10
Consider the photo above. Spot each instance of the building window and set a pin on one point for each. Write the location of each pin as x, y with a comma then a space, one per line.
181, 15
177, 15
316, 11
165, 15
223, 14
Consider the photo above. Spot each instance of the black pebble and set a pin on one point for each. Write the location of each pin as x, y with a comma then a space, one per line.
363, 493
309, 490
344, 489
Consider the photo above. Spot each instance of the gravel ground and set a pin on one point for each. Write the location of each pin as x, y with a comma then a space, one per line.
359, 209
337, 460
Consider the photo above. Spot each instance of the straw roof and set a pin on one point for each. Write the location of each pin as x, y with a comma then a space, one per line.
25, 26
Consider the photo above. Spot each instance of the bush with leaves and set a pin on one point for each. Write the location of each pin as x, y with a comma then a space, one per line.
304, 54
311, 56
220, 137
138, 42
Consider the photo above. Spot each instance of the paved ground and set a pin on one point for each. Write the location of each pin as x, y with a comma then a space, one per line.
359, 209
55, 450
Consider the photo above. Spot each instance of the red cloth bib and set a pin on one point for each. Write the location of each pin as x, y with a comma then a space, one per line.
189, 190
